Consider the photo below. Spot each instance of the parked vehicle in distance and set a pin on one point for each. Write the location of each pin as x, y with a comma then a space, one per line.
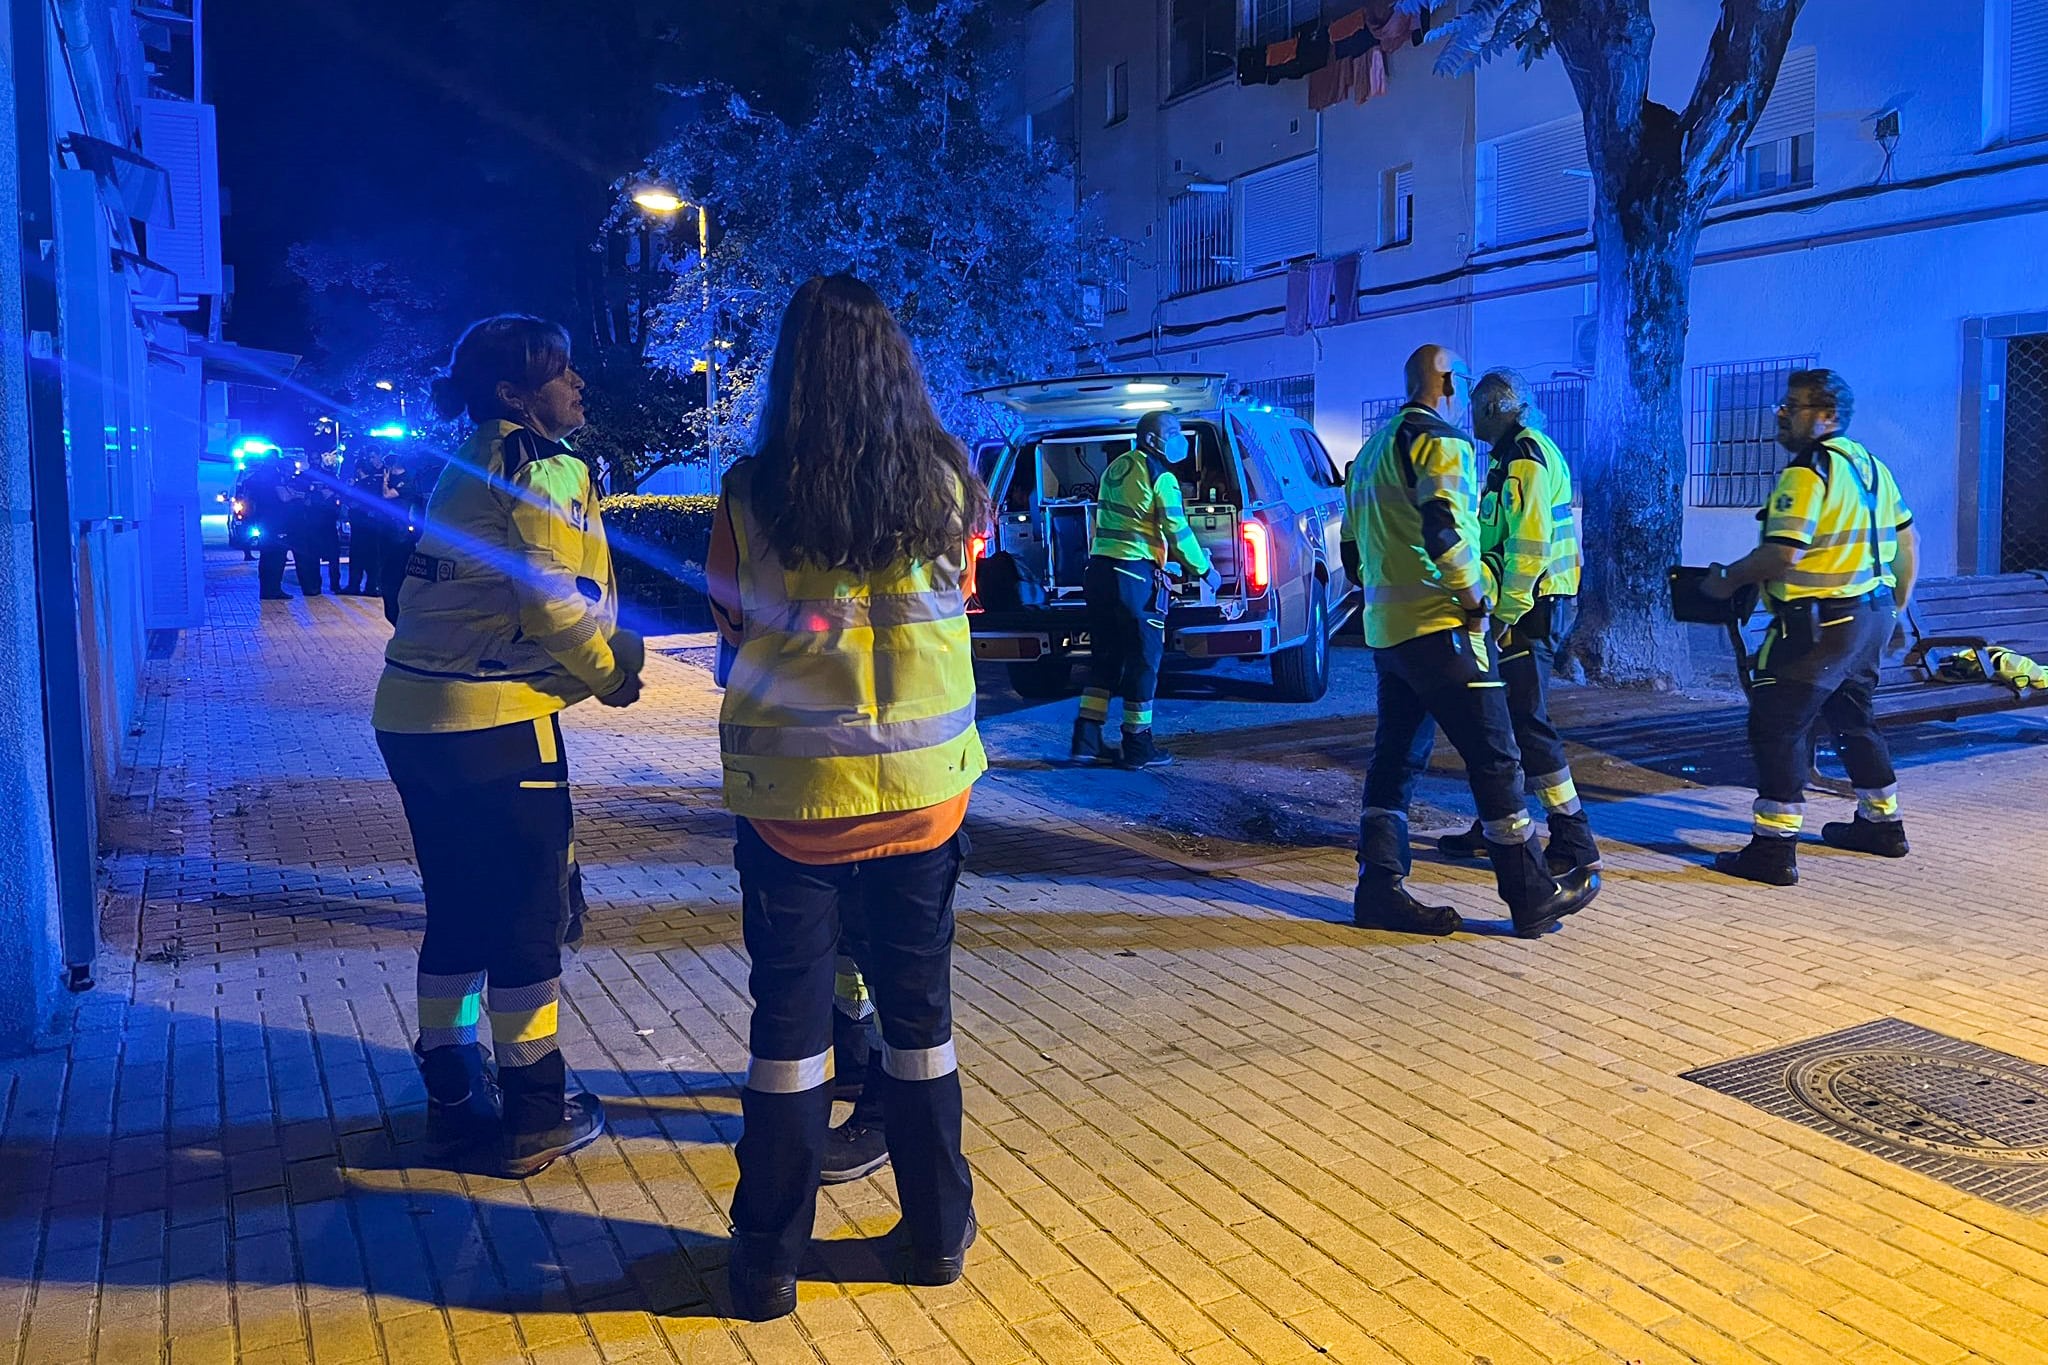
1262, 493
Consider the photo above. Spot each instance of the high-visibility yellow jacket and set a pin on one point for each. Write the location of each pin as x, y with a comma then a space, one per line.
1139, 515
1411, 506
851, 694
509, 608
1839, 505
1528, 534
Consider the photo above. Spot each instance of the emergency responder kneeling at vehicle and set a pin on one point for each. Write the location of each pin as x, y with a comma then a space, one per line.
507, 614
1140, 526
849, 746
1529, 546
1411, 539
1837, 564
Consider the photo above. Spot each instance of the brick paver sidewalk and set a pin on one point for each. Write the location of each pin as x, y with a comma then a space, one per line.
1210, 1121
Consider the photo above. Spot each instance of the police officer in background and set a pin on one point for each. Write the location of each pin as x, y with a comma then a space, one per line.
1529, 547
1140, 526
1411, 539
1837, 563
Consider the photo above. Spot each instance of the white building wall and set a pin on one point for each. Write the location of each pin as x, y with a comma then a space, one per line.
1878, 285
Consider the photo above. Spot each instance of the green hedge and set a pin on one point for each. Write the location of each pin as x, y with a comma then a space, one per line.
659, 543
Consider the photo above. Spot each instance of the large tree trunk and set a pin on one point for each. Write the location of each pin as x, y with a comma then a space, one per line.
1635, 492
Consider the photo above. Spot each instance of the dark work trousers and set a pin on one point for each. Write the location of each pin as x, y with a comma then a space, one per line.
1449, 678
900, 915
1127, 602
1831, 680
366, 534
1528, 653
270, 568
491, 824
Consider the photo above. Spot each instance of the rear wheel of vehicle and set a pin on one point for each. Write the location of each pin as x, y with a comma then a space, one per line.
1303, 672
1042, 679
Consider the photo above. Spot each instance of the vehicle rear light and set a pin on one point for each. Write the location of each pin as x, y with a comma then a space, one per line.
1258, 557
977, 547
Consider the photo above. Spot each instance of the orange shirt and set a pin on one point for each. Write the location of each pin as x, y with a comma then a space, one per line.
855, 838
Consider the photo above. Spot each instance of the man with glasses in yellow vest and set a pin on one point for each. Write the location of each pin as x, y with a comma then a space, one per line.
1529, 548
1140, 526
1837, 563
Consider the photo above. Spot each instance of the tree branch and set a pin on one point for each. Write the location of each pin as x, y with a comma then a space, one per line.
1742, 64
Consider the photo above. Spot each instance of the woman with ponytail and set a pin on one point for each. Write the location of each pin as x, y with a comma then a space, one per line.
507, 615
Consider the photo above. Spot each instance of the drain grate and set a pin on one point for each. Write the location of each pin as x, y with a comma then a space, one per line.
1969, 1116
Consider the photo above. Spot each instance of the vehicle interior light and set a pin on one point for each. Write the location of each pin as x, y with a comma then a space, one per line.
1148, 405
1147, 386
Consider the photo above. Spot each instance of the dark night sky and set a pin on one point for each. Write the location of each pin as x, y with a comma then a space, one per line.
475, 138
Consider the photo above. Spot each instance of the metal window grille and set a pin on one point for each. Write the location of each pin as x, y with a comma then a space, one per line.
1375, 413
1274, 20
1296, 393
1199, 234
1116, 290
2023, 519
1564, 403
1735, 455
1202, 43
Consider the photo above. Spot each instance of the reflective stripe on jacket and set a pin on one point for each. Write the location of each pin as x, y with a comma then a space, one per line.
1413, 461
1825, 505
851, 694
1139, 515
516, 617
1529, 535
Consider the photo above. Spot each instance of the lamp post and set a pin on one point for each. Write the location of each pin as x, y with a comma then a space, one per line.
662, 202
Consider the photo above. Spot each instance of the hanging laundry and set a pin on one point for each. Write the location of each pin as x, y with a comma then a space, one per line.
1297, 300
1330, 86
1391, 27
1322, 276
1344, 289
1251, 65
1299, 56
1373, 83
1349, 36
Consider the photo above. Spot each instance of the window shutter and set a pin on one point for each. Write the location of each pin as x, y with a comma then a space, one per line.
1790, 111
179, 136
1540, 187
1282, 215
2027, 110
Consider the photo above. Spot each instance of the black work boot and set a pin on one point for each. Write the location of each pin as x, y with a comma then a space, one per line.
942, 1268
464, 1109
758, 1295
1571, 844
1535, 899
1087, 745
527, 1154
1770, 859
1468, 845
1885, 838
1384, 902
1142, 751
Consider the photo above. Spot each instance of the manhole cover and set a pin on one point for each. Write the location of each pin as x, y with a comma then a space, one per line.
1967, 1115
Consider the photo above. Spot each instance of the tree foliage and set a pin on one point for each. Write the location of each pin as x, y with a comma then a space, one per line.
1656, 172
908, 170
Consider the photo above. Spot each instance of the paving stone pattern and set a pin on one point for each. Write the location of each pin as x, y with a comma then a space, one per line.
1210, 1121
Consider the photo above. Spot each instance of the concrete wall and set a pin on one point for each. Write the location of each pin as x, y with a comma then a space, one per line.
1878, 285
30, 988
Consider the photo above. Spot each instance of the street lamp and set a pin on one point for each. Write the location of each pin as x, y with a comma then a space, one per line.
657, 199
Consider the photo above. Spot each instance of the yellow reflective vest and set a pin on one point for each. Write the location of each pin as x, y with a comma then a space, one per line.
1411, 505
1139, 516
851, 694
509, 609
1528, 533
1840, 507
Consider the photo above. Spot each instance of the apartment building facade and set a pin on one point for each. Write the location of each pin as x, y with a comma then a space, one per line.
112, 375
1883, 220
